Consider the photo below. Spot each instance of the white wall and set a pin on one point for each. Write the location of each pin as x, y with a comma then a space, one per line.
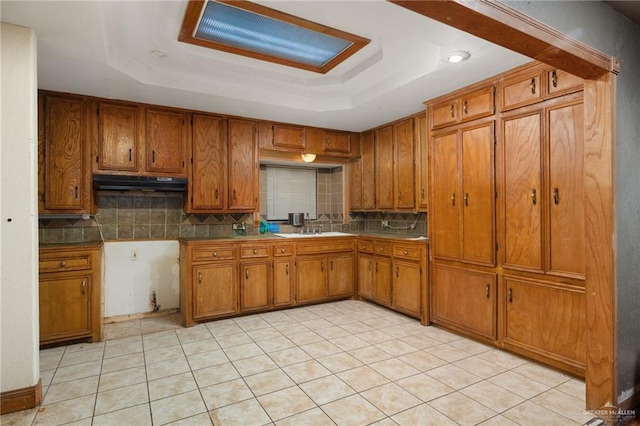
128, 283
19, 334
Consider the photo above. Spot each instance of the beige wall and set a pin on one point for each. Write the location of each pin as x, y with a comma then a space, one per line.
19, 360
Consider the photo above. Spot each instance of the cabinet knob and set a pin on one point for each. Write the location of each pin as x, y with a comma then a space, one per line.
405, 252
281, 250
453, 199
215, 254
200, 277
63, 264
466, 199
255, 251
246, 273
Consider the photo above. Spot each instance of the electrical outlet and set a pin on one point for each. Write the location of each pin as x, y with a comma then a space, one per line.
238, 227
385, 223
134, 254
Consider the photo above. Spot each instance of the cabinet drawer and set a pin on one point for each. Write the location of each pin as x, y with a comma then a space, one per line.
560, 82
253, 251
201, 254
383, 249
406, 252
520, 91
325, 246
283, 249
365, 246
77, 262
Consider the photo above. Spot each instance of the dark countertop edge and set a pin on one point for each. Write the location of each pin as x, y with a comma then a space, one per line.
82, 244
271, 237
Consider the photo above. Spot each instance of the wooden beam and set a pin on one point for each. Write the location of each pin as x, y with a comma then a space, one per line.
506, 27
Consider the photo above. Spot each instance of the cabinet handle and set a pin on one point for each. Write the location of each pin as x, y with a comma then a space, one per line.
405, 252
452, 116
464, 108
422, 193
84, 286
376, 266
281, 250
397, 272
466, 199
246, 273
510, 295
216, 194
381, 249
322, 266
554, 78
331, 264
556, 196
369, 265
235, 196
486, 289
129, 154
75, 191
255, 251
533, 86
534, 198
287, 269
63, 264
153, 156
453, 199
200, 277
215, 254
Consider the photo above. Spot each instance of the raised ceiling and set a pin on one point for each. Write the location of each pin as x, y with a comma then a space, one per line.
114, 49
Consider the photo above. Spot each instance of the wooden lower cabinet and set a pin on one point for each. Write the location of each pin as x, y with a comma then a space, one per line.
340, 276
283, 282
311, 278
70, 294
464, 300
382, 286
215, 290
407, 280
546, 321
255, 285
366, 276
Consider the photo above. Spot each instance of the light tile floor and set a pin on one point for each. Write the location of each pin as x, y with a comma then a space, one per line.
344, 363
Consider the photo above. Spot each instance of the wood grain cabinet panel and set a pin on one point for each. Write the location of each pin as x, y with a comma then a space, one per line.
546, 319
64, 172
215, 290
382, 290
255, 285
407, 287
366, 275
283, 282
368, 171
243, 165
444, 114
208, 180
118, 137
384, 171
165, 141
336, 142
521, 89
477, 104
465, 300
561, 82
422, 165
311, 278
341, 273
288, 136
403, 165
355, 185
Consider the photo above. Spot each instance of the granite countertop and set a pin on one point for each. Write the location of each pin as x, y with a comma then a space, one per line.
272, 237
81, 244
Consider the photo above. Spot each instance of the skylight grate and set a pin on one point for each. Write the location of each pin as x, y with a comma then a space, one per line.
257, 31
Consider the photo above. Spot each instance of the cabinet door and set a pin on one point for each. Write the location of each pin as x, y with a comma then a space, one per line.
444, 114
478, 104
355, 185
336, 142
243, 165
523, 191
422, 165
368, 172
283, 282
561, 82
64, 306
215, 290
403, 149
407, 285
464, 299
341, 274
118, 137
382, 289
66, 177
478, 198
445, 229
546, 318
366, 275
288, 136
311, 278
384, 168
521, 90
566, 171
255, 285
208, 172
165, 142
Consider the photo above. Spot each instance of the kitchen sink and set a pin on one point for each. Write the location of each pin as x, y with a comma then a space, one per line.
324, 234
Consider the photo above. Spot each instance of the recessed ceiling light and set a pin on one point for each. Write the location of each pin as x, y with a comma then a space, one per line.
455, 57
159, 54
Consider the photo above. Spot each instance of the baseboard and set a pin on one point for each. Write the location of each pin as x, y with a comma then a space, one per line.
21, 399
141, 315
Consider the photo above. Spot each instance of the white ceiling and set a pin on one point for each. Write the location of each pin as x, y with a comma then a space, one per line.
103, 48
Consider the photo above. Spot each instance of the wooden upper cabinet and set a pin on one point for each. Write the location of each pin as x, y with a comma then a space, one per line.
64, 149
208, 180
521, 89
285, 136
467, 107
165, 141
560, 82
355, 185
336, 142
384, 172
403, 165
368, 171
243, 165
422, 162
118, 137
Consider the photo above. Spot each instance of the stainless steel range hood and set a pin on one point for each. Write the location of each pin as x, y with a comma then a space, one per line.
139, 183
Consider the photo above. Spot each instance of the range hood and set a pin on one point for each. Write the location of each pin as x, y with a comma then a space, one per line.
139, 183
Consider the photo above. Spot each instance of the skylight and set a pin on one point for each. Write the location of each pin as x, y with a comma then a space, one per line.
256, 31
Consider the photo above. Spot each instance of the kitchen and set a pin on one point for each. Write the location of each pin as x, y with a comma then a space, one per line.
423, 99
